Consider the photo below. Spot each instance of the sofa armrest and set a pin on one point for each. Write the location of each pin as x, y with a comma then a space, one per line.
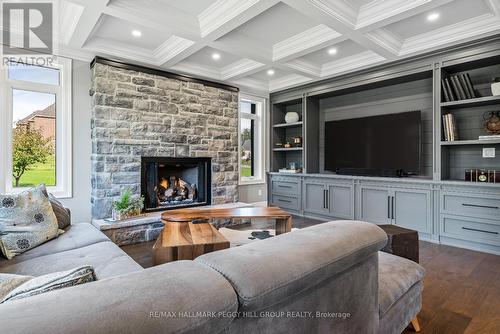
148, 301
274, 270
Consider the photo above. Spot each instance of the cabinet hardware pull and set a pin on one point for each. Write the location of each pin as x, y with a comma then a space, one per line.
392, 207
284, 200
324, 199
476, 230
282, 186
327, 192
481, 206
388, 207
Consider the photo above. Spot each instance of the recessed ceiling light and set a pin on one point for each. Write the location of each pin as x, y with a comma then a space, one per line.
215, 56
332, 51
270, 72
433, 17
136, 33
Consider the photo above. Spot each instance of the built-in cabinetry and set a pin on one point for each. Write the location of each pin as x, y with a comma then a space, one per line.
439, 204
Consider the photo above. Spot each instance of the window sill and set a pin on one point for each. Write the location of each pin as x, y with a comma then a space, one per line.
251, 182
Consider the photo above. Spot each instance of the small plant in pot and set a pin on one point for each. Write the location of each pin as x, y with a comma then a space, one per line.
127, 206
495, 86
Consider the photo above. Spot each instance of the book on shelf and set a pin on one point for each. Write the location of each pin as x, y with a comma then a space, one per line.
489, 137
450, 128
458, 87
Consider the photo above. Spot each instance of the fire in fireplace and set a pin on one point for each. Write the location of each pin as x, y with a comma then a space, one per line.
175, 182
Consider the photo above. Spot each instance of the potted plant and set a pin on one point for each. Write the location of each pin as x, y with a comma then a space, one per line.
127, 206
495, 86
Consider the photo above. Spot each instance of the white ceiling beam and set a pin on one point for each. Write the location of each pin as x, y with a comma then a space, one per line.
304, 68
240, 69
87, 22
226, 15
306, 42
494, 6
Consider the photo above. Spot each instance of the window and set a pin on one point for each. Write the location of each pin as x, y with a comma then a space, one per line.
251, 140
36, 127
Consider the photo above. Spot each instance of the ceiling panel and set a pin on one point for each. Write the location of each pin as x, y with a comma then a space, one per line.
118, 30
263, 76
204, 57
193, 7
344, 49
449, 14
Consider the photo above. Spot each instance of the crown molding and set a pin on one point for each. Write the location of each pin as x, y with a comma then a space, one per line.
494, 6
306, 41
473, 28
287, 81
239, 68
195, 69
220, 13
121, 50
378, 10
68, 20
386, 39
304, 67
251, 83
172, 47
347, 64
340, 10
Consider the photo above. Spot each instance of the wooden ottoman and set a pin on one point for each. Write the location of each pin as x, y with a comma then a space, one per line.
401, 242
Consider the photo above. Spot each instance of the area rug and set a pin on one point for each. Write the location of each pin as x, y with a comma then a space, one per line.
242, 237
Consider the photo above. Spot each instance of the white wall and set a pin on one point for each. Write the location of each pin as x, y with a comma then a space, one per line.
79, 204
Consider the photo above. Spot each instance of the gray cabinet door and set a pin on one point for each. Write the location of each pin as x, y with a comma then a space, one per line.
375, 205
412, 209
314, 198
340, 201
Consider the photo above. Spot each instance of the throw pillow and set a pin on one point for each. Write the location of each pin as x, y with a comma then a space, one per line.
50, 282
62, 214
9, 282
26, 221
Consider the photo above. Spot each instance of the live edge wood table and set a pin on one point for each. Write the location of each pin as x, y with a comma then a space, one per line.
188, 233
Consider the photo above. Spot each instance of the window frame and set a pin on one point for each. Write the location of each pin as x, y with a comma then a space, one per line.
259, 142
63, 187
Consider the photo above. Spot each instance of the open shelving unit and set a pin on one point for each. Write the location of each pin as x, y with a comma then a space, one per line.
466, 152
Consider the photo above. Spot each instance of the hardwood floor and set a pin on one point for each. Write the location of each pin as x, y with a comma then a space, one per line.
461, 293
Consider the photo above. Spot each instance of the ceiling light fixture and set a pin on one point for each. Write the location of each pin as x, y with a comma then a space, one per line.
433, 17
270, 72
136, 33
215, 56
332, 51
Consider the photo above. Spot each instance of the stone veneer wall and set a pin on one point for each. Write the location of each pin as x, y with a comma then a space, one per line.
136, 114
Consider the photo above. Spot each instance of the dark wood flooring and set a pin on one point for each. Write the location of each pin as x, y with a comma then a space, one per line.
461, 293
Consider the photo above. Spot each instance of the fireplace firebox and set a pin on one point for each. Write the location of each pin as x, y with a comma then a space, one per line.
171, 183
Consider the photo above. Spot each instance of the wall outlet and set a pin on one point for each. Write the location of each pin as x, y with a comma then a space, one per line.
488, 152
259, 192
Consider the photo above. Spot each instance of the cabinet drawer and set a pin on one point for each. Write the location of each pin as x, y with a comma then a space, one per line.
291, 187
285, 202
471, 205
478, 230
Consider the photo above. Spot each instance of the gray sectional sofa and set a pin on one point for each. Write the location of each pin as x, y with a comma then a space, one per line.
329, 278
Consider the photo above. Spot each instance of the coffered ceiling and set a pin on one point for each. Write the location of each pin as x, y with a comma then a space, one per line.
269, 45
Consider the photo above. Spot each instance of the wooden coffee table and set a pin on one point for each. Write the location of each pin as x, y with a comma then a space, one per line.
188, 234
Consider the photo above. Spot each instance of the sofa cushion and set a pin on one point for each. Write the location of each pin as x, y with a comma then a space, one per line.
9, 282
50, 282
62, 214
396, 277
75, 236
26, 221
107, 259
306, 258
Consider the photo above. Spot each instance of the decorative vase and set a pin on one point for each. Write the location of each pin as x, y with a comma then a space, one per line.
492, 122
292, 117
495, 88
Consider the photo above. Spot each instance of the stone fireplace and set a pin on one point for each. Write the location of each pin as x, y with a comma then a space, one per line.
171, 183
141, 115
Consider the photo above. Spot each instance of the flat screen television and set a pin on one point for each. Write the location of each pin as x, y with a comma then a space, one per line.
375, 145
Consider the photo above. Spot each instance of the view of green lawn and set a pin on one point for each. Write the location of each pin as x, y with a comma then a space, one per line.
246, 170
40, 173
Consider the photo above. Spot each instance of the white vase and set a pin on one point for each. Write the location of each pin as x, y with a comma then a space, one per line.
292, 117
495, 88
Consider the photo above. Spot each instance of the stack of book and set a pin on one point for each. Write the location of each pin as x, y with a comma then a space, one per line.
458, 87
490, 137
450, 128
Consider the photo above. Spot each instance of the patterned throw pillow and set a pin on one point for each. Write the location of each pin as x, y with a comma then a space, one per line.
26, 221
9, 282
50, 282
62, 215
